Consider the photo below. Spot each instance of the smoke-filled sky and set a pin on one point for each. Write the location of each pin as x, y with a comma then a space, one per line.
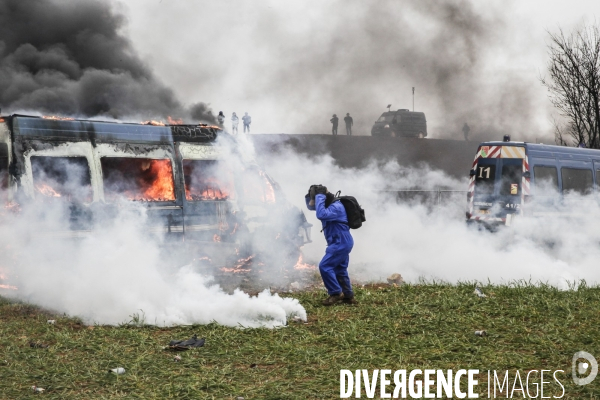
293, 64
290, 64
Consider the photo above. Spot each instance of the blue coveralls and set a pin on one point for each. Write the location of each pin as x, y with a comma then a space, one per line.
334, 265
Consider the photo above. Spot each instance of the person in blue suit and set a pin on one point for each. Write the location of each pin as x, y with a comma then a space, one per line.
334, 265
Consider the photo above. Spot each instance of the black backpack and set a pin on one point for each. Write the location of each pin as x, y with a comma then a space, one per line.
355, 213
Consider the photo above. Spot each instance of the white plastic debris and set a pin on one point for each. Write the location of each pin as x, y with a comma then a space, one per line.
37, 389
481, 333
177, 358
239, 398
479, 293
52, 321
118, 370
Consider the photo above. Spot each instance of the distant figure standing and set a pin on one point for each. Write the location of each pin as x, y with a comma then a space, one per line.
466, 131
221, 119
235, 121
247, 120
334, 122
349, 122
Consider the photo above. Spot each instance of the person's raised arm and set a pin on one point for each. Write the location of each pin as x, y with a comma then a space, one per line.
328, 213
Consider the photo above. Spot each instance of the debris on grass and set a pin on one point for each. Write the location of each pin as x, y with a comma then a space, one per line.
37, 390
479, 293
297, 319
38, 345
117, 371
295, 286
177, 358
481, 333
180, 345
51, 321
253, 365
395, 279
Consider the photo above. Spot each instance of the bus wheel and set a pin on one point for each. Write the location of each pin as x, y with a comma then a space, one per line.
421, 135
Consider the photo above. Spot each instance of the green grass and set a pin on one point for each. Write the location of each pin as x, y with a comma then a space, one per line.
413, 326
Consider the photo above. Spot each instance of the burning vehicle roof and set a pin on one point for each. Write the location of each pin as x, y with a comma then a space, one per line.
83, 130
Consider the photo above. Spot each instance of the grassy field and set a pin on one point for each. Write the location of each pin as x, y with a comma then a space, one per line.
407, 327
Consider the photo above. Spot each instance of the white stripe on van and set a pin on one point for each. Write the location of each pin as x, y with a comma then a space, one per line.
512, 152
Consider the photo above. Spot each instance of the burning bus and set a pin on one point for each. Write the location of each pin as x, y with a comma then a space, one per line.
508, 179
192, 193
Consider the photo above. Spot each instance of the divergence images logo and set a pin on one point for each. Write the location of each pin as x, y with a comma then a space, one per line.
582, 367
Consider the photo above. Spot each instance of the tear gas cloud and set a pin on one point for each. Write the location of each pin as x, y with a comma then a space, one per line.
118, 273
421, 242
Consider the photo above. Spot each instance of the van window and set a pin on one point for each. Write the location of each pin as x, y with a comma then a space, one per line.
138, 179
546, 178
257, 188
511, 179
386, 118
64, 178
485, 178
207, 180
576, 180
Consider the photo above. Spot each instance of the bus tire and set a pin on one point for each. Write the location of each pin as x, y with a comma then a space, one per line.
421, 135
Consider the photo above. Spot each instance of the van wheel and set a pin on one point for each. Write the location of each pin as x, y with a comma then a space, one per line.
421, 135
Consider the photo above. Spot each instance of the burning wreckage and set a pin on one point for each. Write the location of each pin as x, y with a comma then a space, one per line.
208, 206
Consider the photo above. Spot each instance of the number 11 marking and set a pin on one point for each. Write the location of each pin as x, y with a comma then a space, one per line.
486, 170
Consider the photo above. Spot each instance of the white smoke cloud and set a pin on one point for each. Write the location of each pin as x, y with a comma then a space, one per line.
119, 272
435, 243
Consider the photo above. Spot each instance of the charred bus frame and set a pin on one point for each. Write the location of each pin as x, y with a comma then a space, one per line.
216, 217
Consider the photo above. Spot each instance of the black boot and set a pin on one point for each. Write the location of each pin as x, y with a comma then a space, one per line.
331, 300
349, 300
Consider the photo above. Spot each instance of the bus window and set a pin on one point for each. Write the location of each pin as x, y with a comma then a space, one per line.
511, 179
66, 178
138, 179
576, 180
3, 172
546, 178
207, 180
485, 178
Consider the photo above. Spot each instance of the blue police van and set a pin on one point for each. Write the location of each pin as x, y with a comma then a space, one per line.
509, 179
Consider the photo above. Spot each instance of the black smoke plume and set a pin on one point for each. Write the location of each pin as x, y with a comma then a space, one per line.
69, 58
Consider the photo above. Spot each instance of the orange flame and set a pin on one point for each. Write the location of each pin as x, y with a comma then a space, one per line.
244, 262
57, 118
174, 121
153, 122
269, 196
161, 188
3, 286
300, 264
210, 193
216, 238
46, 190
